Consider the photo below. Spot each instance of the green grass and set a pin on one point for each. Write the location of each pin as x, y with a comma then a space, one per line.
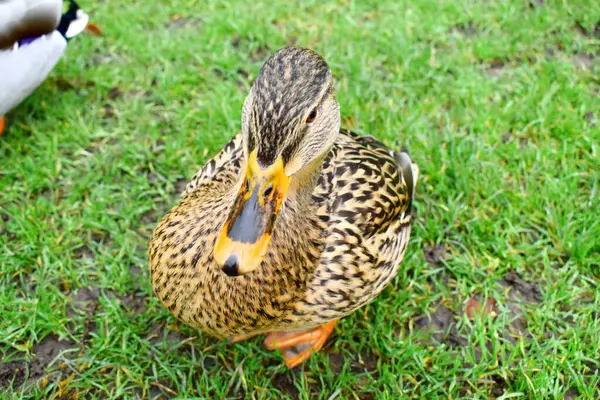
499, 103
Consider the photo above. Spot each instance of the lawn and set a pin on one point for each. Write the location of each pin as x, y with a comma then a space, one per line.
498, 296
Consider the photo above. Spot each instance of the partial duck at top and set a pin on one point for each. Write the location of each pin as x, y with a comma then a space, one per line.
33, 37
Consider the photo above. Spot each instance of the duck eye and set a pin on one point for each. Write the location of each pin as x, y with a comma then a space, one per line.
268, 190
311, 117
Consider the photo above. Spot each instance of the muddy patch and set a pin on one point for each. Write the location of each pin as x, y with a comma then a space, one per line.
535, 3
153, 178
83, 252
135, 303
590, 118
365, 362
259, 54
364, 367
495, 68
500, 386
435, 255
136, 273
12, 374
154, 392
90, 246
101, 57
219, 73
180, 185
441, 325
518, 294
101, 143
150, 218
114, 93
367, 396
148, 96
108, 111
336, 362
237, 392
50, 349
84, 297
242, 77
46, 356
520, 289
582, 61
170, 338
84, 302
571, 394
178, 22
468, 29
63, 85
593, 32
285, 384
4, 218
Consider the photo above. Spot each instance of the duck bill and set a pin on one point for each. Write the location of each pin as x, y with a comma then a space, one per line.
244, 239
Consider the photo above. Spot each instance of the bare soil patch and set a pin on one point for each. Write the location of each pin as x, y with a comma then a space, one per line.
42, 363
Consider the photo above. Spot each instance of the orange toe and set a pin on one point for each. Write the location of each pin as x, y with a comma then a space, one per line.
282, 340
292, 360
296, 347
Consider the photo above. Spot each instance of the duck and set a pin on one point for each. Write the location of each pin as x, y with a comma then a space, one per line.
33, 37
293, 225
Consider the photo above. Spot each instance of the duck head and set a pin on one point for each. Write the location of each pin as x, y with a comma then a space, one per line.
290, 120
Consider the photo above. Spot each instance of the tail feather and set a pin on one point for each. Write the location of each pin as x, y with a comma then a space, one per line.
410, 174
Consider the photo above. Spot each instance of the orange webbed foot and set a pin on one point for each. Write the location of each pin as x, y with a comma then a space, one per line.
296, 347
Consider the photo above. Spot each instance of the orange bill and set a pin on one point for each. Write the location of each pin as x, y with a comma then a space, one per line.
244, 239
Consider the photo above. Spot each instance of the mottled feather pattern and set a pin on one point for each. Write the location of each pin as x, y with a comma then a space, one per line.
231, 152
328, 256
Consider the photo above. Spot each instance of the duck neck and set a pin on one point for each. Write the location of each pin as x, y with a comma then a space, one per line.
302, 184
298, 227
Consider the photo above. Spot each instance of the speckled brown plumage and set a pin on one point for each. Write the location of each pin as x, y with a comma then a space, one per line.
337, 242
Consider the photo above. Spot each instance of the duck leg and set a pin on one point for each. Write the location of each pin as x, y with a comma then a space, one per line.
239, 338
297, 346
2, 119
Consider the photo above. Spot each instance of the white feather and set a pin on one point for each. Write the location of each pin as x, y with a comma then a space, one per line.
77, 25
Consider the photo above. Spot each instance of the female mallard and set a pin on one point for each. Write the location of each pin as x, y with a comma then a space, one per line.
33, 37
294, 225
